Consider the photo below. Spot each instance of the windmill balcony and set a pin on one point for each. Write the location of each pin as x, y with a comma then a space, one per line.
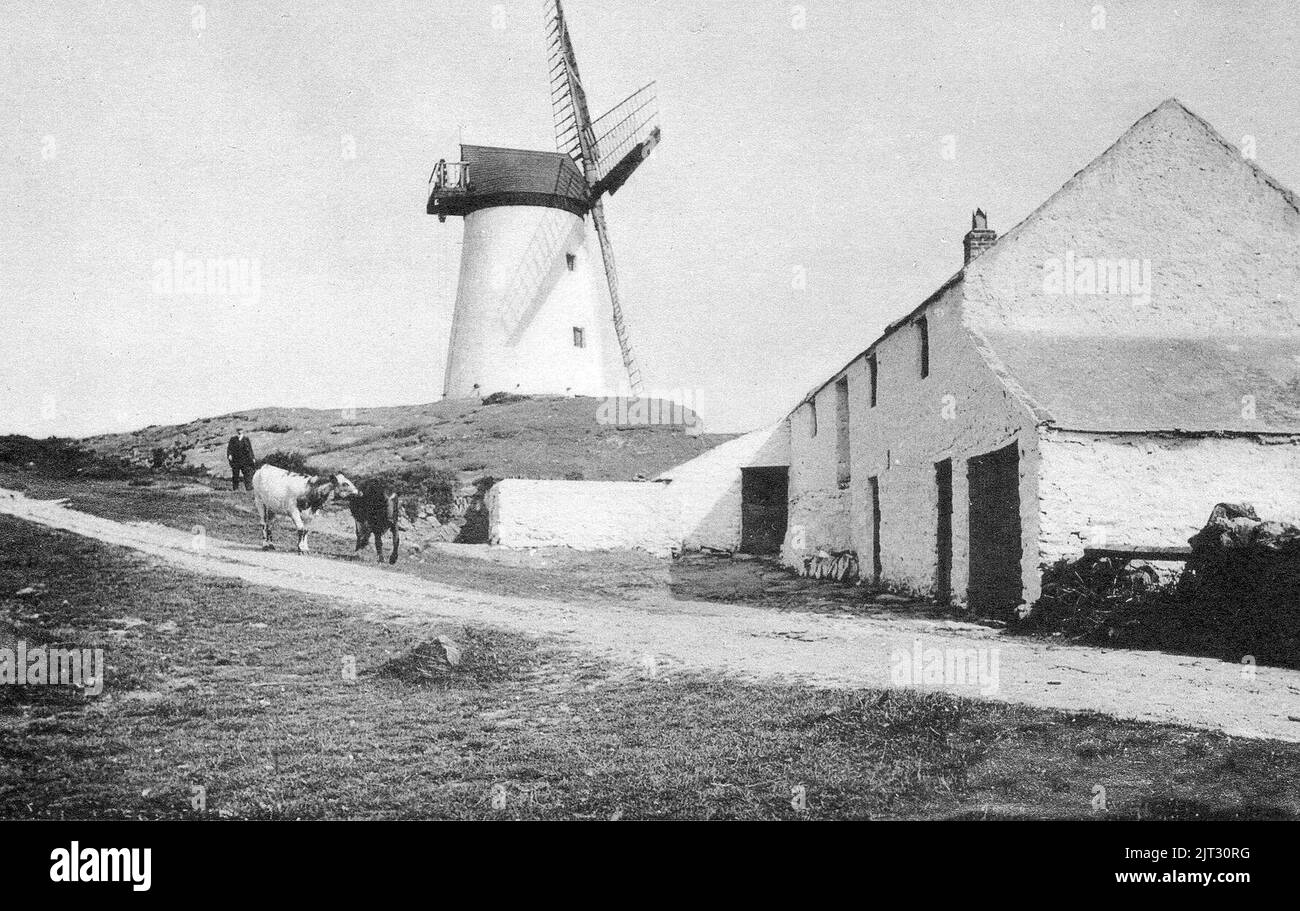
449, 181
450, 176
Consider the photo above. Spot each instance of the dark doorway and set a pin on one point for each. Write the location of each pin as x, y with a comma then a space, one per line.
876, 568
764, 501
994, 479
943, 532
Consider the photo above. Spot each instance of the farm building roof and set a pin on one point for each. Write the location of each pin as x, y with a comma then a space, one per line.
1138, 383
1248, 384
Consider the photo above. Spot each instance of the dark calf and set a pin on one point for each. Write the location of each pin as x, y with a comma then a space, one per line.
375, 512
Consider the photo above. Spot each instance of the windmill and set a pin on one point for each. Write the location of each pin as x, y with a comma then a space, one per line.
529, 314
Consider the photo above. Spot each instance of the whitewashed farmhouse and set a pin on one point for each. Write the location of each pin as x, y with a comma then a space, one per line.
1103, 373
1107, 371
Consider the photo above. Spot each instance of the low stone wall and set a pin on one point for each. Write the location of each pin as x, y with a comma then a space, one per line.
695, 505
584, 515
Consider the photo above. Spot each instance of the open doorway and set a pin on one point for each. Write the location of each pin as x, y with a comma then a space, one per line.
943, 532
764, 505
994, 589
873, 484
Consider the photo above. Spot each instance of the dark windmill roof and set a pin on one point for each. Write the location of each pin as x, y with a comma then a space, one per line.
513, 177
1190, 385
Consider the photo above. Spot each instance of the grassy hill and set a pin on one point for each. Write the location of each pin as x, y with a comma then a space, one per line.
532, 437
441, 457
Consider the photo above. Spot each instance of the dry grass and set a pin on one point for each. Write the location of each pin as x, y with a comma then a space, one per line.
184, 503
535, 437
240, 690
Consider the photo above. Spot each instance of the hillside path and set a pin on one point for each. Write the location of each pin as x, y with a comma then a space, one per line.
665, 634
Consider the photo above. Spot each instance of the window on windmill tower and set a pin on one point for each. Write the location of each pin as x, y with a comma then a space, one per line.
812, 416
923, 330
873, 370
579, 337
570, 260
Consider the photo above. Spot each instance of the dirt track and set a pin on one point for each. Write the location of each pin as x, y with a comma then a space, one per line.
816, 649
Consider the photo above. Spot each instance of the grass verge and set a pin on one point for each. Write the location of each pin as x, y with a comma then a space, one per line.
244, 692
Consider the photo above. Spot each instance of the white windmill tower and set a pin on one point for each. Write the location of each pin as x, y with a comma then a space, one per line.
529, 315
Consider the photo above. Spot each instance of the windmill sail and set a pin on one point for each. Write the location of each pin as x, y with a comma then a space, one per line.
627, 134
573, 133
620, 322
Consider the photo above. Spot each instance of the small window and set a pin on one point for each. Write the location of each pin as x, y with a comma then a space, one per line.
923, 328
812, 416
570, 260
872, 368
579, 337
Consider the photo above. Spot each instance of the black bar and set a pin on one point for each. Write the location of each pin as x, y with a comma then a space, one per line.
1002, 860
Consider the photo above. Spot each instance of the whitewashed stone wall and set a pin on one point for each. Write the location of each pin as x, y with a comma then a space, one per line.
819, 509
1102, 489
1224, 244
584, 515
960, 410
694, 505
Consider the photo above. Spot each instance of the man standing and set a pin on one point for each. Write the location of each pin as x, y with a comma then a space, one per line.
239, 453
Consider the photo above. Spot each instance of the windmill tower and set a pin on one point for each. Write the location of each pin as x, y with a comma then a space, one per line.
529, 315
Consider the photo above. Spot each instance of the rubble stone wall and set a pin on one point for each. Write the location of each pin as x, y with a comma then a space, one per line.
1107, 489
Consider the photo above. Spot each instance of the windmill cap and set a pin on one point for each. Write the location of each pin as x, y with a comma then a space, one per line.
514, 177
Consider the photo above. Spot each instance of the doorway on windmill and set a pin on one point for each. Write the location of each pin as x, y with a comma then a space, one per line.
764, 503
994, 587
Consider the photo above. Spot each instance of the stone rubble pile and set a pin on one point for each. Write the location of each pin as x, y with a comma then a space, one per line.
840, 566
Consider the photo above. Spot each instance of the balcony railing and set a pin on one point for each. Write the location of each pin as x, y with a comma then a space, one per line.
450, 176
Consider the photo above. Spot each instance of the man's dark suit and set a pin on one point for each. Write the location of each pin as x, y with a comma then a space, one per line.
239, 453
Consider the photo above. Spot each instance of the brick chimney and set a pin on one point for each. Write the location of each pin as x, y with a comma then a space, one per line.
979, 238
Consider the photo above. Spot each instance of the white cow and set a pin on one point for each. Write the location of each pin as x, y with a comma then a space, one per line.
280, 493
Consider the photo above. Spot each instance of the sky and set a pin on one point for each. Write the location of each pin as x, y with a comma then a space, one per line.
818, 166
